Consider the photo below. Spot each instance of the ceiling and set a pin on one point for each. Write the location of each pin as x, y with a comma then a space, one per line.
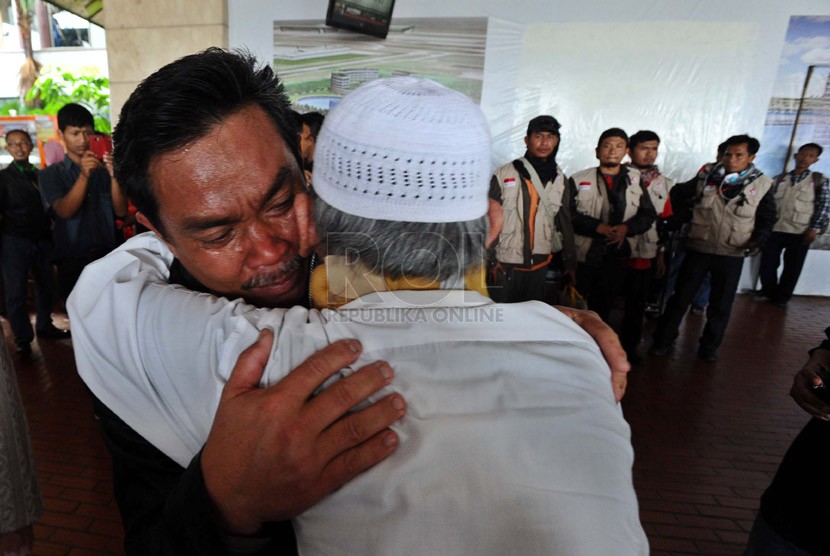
91, 10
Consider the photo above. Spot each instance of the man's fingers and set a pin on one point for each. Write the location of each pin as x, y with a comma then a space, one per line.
344, 394
247, 373
314, 371
619, 381
355, 429
353, 462
803, 393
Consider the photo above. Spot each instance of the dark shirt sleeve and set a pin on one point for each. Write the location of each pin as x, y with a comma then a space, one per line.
51, 189
765, 217
165, 508
564, 224
645, 217
583, 224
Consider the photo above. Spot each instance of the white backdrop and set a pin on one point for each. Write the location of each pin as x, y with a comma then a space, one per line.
694, 71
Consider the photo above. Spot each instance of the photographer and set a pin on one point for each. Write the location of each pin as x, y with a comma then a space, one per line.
795, 509
83, 199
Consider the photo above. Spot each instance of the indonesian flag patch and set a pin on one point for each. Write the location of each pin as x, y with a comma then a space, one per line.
509, 182
584, 185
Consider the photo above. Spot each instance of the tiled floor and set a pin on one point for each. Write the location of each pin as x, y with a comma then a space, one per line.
707, 437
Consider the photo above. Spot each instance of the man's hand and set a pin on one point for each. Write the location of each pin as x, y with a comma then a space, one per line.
810, 236
109, 165
616, 234
274, 452
805, 381
608, 342
89, 162
604, 230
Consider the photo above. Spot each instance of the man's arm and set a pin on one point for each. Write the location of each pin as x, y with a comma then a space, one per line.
764, 220
170, 510
644, 218
68, 205
564, 223
821, 211
119, 200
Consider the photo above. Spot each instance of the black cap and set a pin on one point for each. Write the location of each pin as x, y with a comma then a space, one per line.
543, 123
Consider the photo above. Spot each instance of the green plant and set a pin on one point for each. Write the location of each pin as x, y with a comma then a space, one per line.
56, 88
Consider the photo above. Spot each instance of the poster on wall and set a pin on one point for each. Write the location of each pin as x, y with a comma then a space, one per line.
320, 64
799, 110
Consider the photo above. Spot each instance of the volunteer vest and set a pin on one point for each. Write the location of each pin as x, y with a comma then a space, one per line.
644, 246
721, 227
589, 201
547, 239
794, 203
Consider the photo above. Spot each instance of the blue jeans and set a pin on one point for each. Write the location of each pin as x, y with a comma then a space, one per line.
18, 256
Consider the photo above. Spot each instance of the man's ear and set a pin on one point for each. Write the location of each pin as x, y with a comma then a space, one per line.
141, 219
304, 215
495, 215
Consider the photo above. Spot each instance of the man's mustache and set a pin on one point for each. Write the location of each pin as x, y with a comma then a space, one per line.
265, 280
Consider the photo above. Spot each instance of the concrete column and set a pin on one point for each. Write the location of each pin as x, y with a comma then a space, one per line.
143, 35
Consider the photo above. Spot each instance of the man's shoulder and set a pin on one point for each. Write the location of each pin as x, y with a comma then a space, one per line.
586, 174
507, 168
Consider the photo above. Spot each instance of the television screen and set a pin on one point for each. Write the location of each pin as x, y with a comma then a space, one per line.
371, 17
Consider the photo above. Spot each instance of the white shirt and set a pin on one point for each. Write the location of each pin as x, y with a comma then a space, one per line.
512, 442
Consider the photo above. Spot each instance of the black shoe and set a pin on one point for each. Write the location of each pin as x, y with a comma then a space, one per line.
659, 349
54, 333
706, 354
24, 348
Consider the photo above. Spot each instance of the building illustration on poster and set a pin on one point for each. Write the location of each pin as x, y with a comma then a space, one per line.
320, 64
799, 110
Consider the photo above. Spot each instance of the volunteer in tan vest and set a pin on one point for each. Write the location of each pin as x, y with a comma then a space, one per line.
801, 200
534, 197
646, 267
732, 212
610, 209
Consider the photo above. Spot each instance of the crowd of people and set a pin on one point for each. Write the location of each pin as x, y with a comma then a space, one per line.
621, 226
376, 254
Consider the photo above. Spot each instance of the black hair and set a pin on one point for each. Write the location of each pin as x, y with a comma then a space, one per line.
23, 131
74, 115
613, 132
314, 121
641, 137
752, 144
181, 103
815, 146
722, 148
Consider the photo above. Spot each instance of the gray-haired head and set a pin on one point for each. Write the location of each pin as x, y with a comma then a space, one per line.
402, 168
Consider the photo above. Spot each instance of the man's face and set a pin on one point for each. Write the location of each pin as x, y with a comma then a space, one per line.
19, 146
307, 144
806, 157
737, 158
644, 154
611, 151
541, 144
229, 214
76, 140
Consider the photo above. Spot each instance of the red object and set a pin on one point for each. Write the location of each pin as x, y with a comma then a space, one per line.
100, 145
